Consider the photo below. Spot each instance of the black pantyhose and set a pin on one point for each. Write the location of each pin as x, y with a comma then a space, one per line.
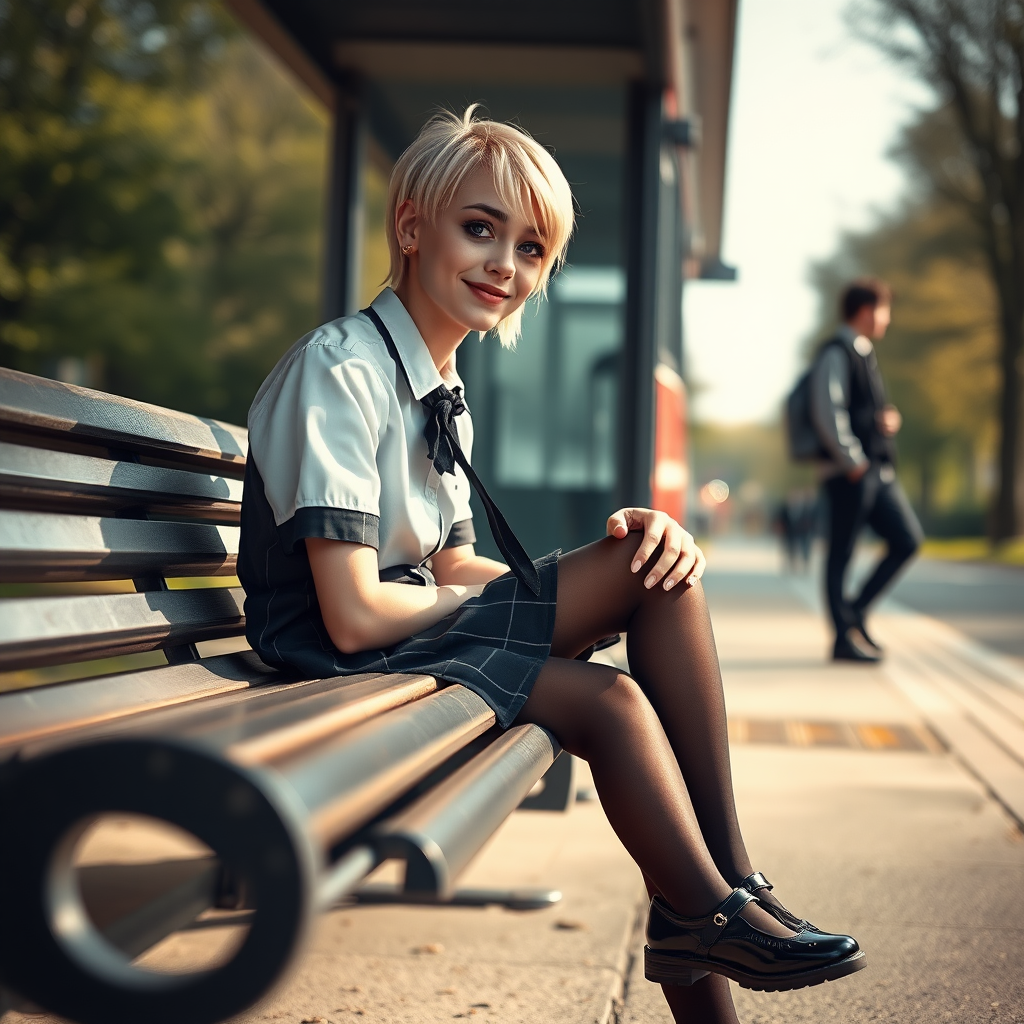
656, 740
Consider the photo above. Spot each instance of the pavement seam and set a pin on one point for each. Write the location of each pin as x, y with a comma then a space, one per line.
939, 697
615, 1004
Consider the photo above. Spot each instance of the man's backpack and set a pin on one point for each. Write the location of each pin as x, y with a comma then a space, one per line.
801, 433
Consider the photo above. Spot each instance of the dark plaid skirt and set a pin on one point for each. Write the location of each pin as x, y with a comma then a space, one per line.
494, 644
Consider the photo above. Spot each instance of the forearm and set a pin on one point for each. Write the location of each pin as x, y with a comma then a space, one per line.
390, 612
360, 612
462, 565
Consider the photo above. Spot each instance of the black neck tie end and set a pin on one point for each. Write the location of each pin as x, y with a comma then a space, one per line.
529, 577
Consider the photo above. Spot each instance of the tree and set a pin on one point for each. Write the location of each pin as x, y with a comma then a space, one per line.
972, 52
78, 180
161, 188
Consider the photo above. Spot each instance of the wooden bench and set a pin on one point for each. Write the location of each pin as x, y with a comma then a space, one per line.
297, 788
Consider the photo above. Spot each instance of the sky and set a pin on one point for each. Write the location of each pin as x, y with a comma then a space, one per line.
814, 112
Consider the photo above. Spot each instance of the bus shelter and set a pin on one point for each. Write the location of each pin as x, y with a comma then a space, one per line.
632, 97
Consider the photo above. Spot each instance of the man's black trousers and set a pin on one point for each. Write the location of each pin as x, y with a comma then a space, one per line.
878, 501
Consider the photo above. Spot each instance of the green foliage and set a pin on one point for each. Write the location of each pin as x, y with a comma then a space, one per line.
160, 201
940, 356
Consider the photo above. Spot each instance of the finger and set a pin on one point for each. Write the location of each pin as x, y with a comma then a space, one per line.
654, 530
670, 553
618, 526
684, 567
699, 566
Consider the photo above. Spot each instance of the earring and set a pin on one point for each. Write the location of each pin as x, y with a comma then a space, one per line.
408, 250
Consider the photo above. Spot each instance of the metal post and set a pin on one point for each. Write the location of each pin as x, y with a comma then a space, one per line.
344, 207
636, 441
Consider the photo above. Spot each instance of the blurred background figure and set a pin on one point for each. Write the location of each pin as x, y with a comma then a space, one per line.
857, 427
796, 524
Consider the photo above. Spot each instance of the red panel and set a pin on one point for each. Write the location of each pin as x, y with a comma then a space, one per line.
671, 471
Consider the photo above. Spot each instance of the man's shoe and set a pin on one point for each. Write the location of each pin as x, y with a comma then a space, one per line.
755, 883
683, 950
865, 635
851, 646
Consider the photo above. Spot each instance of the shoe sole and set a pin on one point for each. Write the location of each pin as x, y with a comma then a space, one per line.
665, 968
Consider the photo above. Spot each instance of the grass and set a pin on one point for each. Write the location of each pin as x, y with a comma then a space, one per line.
974, 549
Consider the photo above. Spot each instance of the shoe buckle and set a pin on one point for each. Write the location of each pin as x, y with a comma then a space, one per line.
720, 919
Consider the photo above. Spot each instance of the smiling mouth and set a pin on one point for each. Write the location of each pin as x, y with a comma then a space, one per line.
488, 293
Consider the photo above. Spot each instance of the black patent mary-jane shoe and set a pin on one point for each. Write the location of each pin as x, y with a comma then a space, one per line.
681, 950
755, 883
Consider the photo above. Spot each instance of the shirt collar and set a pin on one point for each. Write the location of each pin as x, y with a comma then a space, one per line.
412, 349
861, 343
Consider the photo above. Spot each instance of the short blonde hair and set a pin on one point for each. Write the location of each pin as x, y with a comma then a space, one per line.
526, 177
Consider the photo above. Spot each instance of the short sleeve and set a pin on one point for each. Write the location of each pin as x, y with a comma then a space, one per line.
314, 439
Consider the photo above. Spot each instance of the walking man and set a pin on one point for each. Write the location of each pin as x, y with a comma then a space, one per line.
857, 427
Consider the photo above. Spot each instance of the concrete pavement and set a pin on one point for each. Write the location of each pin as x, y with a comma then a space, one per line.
877, 799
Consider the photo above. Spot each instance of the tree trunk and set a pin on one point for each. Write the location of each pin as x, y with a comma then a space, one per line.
1006, 257
1005, 520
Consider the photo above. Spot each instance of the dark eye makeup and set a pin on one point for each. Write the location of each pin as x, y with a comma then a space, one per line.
483, 229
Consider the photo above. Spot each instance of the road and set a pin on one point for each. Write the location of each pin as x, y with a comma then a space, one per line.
984, 601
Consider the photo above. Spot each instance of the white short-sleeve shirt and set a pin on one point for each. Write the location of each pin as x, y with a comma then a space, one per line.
336, 438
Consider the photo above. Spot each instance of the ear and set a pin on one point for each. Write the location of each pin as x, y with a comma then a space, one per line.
406, 224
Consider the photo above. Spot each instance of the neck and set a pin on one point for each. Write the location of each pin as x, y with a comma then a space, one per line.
858, 328
439, 331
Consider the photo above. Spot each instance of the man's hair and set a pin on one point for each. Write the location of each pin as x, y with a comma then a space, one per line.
526, 177
865, 291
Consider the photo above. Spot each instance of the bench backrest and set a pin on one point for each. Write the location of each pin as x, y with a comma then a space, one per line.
93, 489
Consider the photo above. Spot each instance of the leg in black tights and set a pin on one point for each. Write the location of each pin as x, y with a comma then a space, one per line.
643, 736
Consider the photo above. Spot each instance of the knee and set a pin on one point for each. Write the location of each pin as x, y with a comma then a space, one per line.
906, 546
624, 699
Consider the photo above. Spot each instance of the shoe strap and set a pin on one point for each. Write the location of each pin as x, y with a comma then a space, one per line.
720, 918
756, 881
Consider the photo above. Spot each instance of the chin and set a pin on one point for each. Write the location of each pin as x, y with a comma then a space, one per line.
477, 321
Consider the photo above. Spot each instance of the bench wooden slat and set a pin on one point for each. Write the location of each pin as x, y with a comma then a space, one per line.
50, 547
45, 481
39, 631
66, 415
28, 716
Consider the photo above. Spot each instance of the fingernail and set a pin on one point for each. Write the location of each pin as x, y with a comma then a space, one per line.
670, 584
636, 566
649, 582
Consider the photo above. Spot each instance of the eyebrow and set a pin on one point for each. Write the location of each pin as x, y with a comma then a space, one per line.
490, 211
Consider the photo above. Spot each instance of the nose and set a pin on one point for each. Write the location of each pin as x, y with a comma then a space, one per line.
502, 263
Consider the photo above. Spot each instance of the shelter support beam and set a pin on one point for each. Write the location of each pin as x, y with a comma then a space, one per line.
636, 433
344, 206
